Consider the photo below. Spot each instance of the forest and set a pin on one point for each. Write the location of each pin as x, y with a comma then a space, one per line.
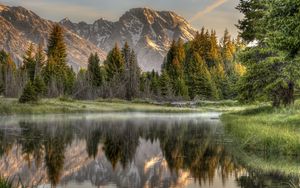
198, 69
261, 64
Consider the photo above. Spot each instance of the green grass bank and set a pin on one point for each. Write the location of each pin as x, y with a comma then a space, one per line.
266, 138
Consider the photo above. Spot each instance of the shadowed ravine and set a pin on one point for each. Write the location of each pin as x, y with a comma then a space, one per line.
133, 150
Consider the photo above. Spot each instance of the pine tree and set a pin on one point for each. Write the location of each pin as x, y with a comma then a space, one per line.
57, 73
174, 66
214, 56
227, 52
133, 76
29, 62
3, 60
251, 26
273, 68
114, 63
29, 94
165, 85
39, 60
39, 86
198, 78
181, 88
94, 72
57, 47
154, 82
9, 78
132, 72
201, 44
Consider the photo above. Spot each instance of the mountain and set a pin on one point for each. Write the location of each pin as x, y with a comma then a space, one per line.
149, 32
19, 27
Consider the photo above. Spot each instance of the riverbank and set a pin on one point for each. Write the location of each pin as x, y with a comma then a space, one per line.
266, 138
63, 105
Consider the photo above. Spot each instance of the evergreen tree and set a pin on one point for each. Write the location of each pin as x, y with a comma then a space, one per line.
114, 63
199, 79
132, 77
39, 86
154, 82
9, 70
214, 56
174, 67
94, 71
56, 46
181, 88
165, 85
58, 75
39, 60
29, 94
29, 62
227, 52
132, 72
251, 26
273, 67
3, 60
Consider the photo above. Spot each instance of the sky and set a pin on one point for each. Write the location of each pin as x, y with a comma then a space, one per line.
212, 14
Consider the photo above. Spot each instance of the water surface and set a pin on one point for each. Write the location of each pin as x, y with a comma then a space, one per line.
124, 150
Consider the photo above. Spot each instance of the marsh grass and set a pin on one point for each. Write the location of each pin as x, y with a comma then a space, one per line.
266, 138
6, 182
63, 105
10, 106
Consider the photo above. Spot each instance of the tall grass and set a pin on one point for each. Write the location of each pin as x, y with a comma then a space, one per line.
6, 182
266, 130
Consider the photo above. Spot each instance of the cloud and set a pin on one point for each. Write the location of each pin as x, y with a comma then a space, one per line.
208, 9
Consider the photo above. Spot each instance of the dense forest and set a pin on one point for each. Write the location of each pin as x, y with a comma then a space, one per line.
200, 69
262, 63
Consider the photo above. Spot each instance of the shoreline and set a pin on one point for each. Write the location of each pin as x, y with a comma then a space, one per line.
9, 106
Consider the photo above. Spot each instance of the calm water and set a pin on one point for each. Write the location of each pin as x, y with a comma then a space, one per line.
124, 150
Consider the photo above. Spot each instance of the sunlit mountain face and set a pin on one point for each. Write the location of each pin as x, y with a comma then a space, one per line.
133, 150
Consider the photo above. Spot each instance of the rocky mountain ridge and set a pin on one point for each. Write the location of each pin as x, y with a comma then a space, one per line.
19, 27
149, 32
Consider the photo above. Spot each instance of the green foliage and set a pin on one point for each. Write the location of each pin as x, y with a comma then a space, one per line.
165, 84
56, 46
6, 182
132, 76
29, 62
265, 130
203, 67
114, 63
94, 71
199, 79
39, 86
56, 72
29, 94
273, 67
250, 26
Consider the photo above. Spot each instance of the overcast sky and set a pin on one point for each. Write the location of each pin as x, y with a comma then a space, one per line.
212, 14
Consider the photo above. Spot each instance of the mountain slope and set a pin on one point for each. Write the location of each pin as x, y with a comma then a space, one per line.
149, 32
19, 27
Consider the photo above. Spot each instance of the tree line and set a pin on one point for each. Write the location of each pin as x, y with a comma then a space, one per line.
199, 69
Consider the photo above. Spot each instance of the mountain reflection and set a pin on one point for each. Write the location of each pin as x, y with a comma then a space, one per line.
132, 152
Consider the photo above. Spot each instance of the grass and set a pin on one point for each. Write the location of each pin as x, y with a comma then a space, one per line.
266, 138
6, 182
66, 105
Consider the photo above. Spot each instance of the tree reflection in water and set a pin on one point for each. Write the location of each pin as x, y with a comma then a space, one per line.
195, 147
